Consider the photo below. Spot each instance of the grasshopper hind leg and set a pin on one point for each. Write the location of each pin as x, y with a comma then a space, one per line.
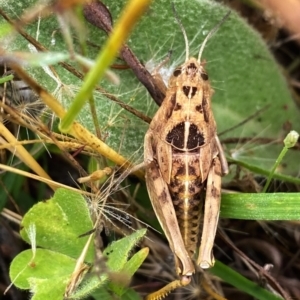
211, 212
167, 289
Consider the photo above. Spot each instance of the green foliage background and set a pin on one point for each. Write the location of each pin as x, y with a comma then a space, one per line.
242, 72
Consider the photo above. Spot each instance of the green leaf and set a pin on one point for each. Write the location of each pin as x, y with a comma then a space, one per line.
116, 261
46, 275
59, 221
56, 224
130, 267
269, 206
117, 256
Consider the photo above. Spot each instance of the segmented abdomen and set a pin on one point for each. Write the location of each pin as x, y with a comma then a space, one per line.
185, 189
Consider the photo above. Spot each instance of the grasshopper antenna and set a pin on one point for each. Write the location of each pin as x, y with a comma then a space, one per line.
183, 32
211, 33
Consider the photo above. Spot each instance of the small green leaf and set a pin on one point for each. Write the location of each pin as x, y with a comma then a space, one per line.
129, 269
59, 222
46, 275
117, 253
135, 261
56, 224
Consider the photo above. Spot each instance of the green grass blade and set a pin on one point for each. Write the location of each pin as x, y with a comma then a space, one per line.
275, 206
243, 284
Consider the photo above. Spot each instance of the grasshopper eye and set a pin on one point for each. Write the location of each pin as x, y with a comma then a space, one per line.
204, 76
177, 72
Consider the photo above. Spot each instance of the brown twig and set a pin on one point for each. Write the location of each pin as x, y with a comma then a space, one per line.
98, 15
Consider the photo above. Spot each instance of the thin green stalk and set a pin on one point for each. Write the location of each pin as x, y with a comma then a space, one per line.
289, 142
6, 78
131, 14
264, 172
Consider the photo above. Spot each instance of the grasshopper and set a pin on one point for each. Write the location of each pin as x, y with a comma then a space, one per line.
184, 163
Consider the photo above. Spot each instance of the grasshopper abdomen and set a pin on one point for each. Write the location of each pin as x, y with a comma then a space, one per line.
185, 189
